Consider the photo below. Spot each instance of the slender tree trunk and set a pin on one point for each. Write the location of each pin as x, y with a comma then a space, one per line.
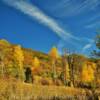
71, 61
64, 70
2, 66
65, 63
72, 73
54, 70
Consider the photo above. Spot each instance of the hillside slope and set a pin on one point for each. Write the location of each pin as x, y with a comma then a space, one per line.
44, 70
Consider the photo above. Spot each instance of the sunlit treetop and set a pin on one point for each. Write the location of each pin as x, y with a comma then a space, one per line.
36, 62
54, 53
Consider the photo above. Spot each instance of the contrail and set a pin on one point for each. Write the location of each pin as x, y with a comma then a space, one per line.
35, 13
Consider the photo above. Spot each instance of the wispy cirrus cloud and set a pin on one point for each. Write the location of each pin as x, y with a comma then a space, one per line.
87, 46
35, 13
76, 47
72, 7
92, 22
93, 25
94, 17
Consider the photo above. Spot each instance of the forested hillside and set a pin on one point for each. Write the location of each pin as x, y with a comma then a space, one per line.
48, 69
67, 75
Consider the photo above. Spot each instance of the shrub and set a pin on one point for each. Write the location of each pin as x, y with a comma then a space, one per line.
45, 82
58, 82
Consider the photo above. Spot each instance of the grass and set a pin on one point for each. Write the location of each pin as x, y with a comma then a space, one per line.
11, 89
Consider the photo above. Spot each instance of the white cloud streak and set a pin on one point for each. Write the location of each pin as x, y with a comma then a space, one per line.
95, 17
87, 47
35, 13
93, 25
40, 16
78, 8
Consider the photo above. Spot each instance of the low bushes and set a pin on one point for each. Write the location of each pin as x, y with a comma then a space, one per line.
11, 89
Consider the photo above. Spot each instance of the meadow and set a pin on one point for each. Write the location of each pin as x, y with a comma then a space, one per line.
12, 89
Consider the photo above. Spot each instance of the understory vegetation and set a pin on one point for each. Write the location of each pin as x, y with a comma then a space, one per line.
12, 89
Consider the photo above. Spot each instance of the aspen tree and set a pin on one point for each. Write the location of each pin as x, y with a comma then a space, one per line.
19, 59
54, 55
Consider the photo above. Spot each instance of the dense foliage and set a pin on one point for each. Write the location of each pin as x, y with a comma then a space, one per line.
48, 69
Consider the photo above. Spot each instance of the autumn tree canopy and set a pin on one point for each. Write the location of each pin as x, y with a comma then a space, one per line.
19, 59
88, 70
36, 65
54, 53
36, 62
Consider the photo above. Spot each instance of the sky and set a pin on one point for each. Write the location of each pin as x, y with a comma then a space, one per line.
42, 24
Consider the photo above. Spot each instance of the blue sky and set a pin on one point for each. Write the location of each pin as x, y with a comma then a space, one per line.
42, 24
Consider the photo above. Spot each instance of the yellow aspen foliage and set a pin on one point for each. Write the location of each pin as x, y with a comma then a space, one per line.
19, 59
67, 72
36, 62
54, 53
87, 74
36, 65
18, 55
